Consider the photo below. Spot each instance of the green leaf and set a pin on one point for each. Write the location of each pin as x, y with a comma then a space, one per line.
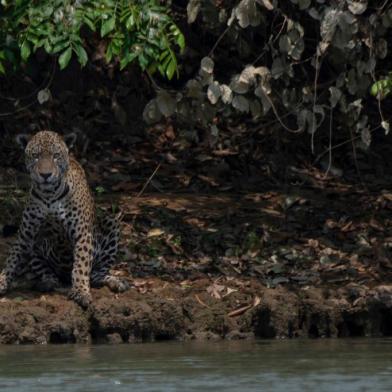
81, 54
2, 70
130, 22
25, 50
108, 26
125, 13
164, 54
166, 61
89, 23
381, 87
39, 43
59, 46
65, 57
181, 41
100, 190
48, 47
109, 53
127, 59
143, 61
171, 69
161, 69
10, 56
375, 88
152, 68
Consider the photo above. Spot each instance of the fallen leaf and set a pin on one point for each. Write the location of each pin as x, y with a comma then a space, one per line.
387, 196
347, 227
224, 153
375, 225
256, 301
239, 311
139, 283
169, 133
200, 301
229, 291
215, 289
208, 180
155, 232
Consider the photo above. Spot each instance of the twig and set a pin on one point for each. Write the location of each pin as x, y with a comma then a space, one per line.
145, 186
149, 179
355, 157
330, 143
5, 114
270, 41
299, 130
219, 40
318, 65
34, 92
379, 10
374, 81
153, 82
272, 122
344, 143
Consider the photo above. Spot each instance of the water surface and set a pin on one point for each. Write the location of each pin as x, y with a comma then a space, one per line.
355, 365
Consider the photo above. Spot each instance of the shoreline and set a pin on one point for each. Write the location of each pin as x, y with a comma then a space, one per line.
172, 312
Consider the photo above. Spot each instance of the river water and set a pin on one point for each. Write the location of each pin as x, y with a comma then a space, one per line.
355, 365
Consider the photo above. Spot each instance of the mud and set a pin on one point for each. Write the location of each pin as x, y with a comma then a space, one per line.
172, 312
194, 274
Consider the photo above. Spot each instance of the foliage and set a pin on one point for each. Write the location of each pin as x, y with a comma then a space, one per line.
383, 87
306, 64
309, 67
141, 31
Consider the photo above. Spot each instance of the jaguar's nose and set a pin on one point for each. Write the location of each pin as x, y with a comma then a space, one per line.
45, 176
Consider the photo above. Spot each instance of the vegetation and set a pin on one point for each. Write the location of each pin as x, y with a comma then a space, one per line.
309, 65
383, 87
139, 31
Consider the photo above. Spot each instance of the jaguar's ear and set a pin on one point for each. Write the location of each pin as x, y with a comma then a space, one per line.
70, 139
22, 139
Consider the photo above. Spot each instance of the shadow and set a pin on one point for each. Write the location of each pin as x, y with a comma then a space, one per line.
297, 238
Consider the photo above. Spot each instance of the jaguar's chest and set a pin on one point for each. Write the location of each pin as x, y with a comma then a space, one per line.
59, 210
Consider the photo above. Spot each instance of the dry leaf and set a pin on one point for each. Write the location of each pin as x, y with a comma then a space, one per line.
215, 290
200, 301
387, 196
347, 227
155, 232
229, 291
207, 179
256, 301
239, 311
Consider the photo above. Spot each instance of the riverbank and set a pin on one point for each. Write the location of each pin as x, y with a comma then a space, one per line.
267, 265
188, 312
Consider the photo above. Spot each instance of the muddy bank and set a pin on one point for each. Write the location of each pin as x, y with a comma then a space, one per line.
226, 267
171, 311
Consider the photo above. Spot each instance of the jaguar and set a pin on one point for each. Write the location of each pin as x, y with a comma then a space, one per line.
60, 238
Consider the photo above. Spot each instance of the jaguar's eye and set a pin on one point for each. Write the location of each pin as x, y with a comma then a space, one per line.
35, 156
56, 156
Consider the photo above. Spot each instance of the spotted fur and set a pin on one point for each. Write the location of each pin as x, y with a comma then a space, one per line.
59, 237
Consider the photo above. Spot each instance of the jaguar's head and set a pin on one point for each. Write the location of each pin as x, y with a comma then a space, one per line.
46, 156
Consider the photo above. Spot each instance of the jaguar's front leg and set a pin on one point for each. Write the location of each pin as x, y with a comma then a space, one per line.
83, 257
32, 219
